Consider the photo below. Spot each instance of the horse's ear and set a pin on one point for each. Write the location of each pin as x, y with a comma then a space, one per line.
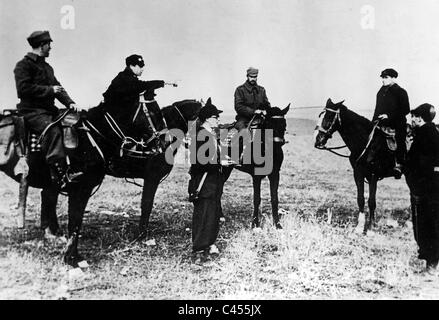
287, 108
329, 102
341, 102
209, 101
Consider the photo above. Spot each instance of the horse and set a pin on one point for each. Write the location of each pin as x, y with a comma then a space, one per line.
98, 154
274, 121
369, 157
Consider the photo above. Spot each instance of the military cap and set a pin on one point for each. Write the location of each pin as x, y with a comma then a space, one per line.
389, 72
208, 111
38, 37
425, 111
135, 60
253, 72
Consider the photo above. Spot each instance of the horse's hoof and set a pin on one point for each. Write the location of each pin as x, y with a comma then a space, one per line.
278, 226
73, 260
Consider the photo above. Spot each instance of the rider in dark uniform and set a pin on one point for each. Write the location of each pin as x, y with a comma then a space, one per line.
37, 88
250, 99
121, 99
423, 180
392, 106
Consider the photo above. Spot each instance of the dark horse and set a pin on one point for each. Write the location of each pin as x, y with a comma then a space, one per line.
276, 123
97, 154
370, 160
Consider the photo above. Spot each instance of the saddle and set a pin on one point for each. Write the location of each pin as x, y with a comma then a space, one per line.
15, 135
389, 134
11, 129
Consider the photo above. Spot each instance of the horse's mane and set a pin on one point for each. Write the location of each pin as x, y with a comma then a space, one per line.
363, 121
181, 103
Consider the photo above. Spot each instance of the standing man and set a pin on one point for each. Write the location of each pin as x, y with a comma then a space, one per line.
422, 177
392, 106
121, 99
37, 88
206, 185
250, 99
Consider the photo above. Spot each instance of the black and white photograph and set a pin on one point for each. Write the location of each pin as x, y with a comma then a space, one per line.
222, 151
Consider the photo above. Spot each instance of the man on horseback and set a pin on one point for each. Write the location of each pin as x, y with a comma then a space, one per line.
37, 88
121, 99
250, 100
392, 106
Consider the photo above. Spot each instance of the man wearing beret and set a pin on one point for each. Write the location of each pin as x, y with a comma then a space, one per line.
121, 99
392, 106
422, 176
37, 88
250, 99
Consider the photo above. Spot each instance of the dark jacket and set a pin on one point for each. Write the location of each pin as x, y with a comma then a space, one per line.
422, 158
213, 164
35, 79
249, 98
393, 101
122, 96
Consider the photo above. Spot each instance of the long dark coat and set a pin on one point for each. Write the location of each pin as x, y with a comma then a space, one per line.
121, 99
423, 180
249, 98
207, 208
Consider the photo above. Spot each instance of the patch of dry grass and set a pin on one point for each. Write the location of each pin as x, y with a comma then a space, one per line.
307, 259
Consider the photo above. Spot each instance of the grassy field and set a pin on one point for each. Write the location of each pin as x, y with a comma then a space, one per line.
309, 259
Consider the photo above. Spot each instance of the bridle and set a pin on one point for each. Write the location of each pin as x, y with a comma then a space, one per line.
330, 131
278, 139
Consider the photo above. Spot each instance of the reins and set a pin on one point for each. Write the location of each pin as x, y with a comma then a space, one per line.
328, 132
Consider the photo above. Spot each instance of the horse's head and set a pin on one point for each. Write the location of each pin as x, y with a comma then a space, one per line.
179, 114
328, 122
276, 121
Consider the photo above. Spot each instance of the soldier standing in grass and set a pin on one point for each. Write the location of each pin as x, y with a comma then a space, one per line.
423, 180
206, 185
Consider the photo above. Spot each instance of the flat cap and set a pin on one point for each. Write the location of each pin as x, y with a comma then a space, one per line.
38, 37
253, 72
389, 72
135, 60
425, 111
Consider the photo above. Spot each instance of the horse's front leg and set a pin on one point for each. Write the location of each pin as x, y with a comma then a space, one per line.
359, 182
371, 203
148, 195
256, 201
274, 187
49, 219
78, 199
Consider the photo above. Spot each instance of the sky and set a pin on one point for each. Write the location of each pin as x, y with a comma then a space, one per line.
306, 50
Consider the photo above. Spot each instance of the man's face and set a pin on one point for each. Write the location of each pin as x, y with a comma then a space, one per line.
417, 121
213, 121
387, 80
137, 70
252, 79
45, 49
